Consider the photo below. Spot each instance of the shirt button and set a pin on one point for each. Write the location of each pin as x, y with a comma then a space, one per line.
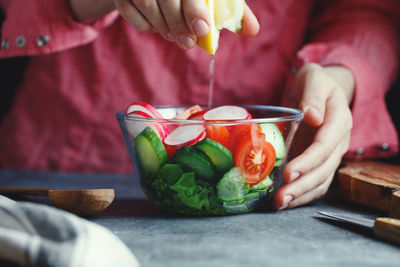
384, 147
21, 41
5, 44
359, 151
42, 40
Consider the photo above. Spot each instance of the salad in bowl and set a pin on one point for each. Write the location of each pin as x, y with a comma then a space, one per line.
202, 160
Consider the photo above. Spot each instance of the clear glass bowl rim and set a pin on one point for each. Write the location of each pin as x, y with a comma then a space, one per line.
293, 115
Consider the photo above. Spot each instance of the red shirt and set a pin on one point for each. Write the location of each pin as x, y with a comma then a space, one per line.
80, 75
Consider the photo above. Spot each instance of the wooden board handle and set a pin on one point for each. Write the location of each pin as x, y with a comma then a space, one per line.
388, 229
25, 191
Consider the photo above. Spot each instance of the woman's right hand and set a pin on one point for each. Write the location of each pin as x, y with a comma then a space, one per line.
180, 21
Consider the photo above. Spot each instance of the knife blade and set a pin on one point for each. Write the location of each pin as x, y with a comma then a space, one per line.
383, 227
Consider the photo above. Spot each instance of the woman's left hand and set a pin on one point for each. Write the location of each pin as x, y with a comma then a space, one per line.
324, 95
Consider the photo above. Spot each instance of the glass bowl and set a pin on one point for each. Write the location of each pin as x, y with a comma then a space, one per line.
210, 163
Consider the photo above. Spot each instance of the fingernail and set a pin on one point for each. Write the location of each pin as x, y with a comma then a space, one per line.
185, 42
294, 176
170, 37
286, 201
200, 27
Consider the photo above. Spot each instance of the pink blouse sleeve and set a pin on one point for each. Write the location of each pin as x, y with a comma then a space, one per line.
33, 27
361, 35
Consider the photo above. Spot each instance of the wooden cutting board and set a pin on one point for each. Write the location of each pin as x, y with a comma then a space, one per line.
371, 183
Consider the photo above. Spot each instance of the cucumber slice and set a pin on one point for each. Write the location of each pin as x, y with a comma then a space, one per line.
232, 186
220, 156
252, 195
275, 137
190, 159
150, 151
170, 173
235, 208
251, 202
264, 184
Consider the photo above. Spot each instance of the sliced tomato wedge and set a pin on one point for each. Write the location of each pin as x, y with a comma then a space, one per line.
238, 132
218, 133
255, 156
188, 112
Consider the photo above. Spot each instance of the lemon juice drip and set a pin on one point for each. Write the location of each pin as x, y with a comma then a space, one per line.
211, 85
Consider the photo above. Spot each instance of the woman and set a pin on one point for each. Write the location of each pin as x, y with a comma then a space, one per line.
336, 59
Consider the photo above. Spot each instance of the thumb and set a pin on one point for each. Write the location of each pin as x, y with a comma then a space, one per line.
316, 90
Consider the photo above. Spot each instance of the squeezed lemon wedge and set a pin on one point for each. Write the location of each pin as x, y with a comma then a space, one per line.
226, 14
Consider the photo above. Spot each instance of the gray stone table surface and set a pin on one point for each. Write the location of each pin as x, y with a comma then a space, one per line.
294, 237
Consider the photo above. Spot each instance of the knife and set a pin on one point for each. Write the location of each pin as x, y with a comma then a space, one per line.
385, 228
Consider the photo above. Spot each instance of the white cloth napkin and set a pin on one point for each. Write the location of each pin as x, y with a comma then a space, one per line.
39, 235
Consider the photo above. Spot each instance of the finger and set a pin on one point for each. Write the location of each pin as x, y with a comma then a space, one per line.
307, 183
299, 81
337, 126
173, 14
197, 16
131, 14
250, 23
150, 10
317, 87
316, 193
288, 193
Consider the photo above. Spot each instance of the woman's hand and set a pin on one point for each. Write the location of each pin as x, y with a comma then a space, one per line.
180, 21
324, 95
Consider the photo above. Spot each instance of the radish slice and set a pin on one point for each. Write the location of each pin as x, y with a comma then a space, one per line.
136, 127
185, 135
150, 110
144, 107
141, 109
198, 115
227, 113
204, 135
